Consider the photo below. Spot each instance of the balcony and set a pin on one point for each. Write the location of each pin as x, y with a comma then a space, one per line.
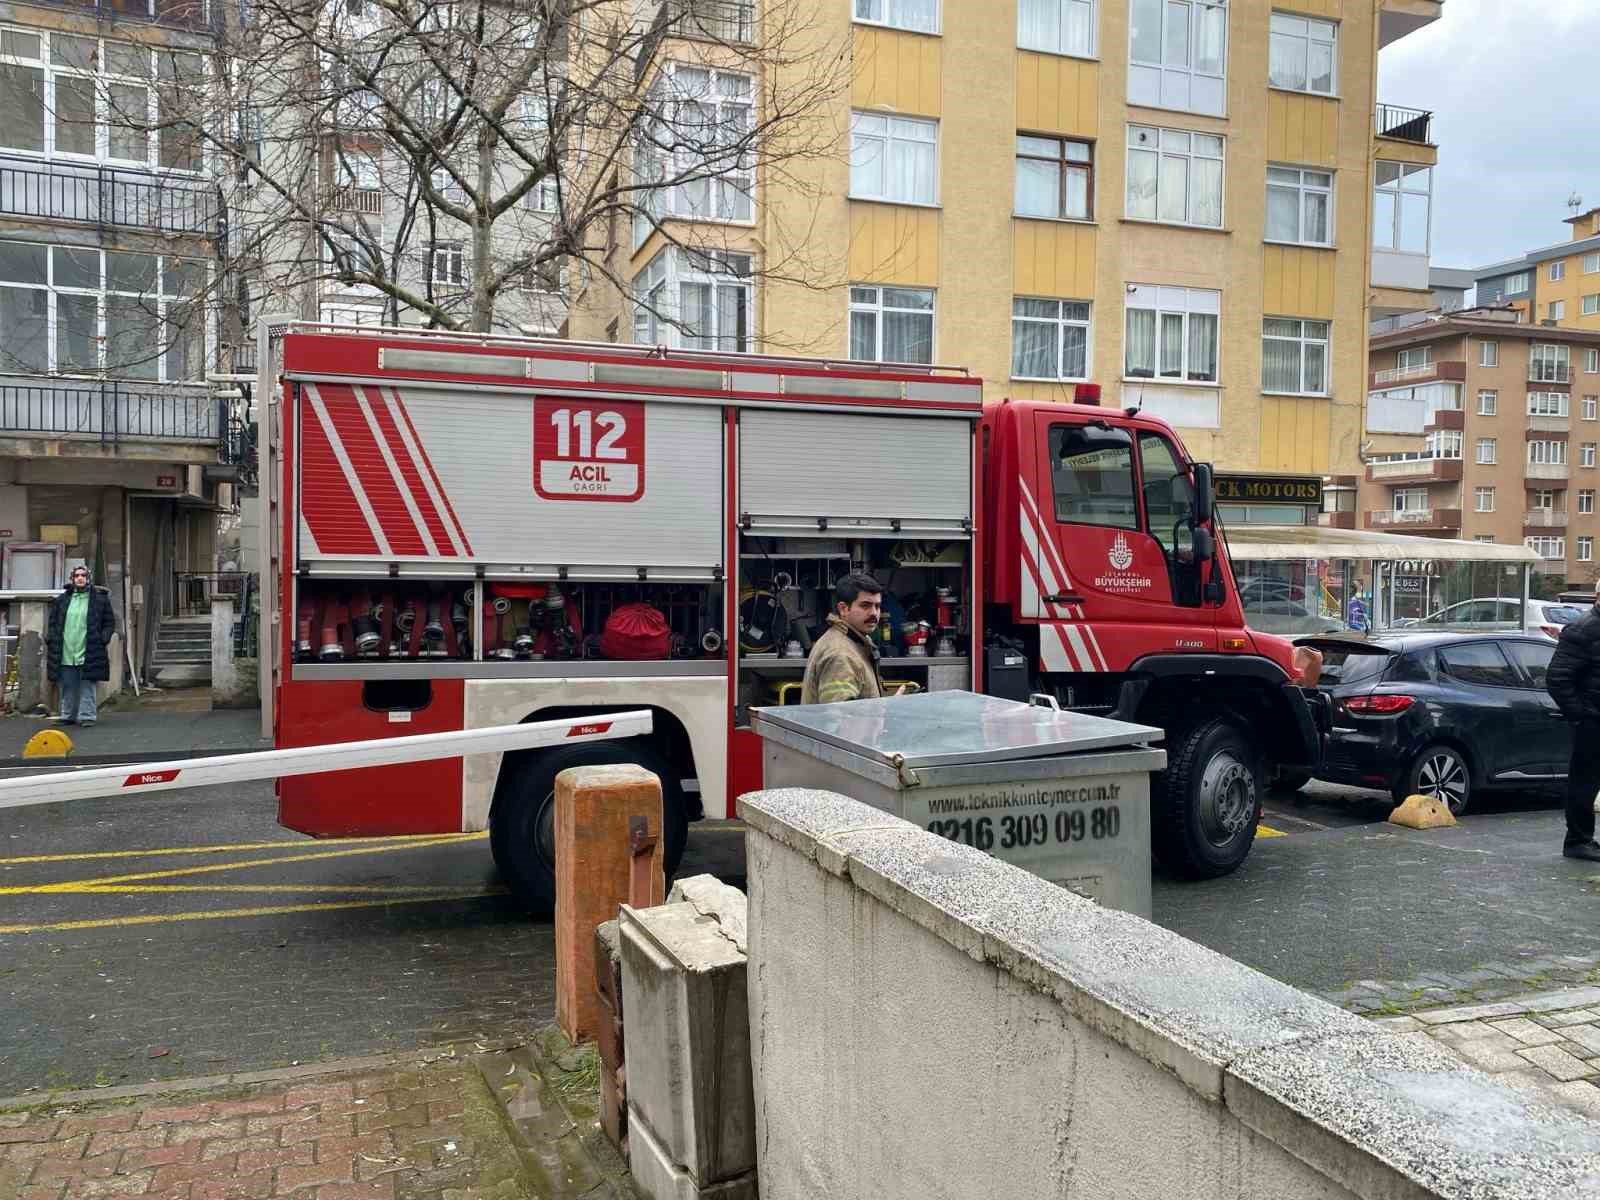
1398, 18
1551, 566
731, 21
1455, 372
1544, 518
1543, 424
1416, 520
1547, 471
93, 195
368, 202
1415, 470
115, 412
1398, 124
184, 14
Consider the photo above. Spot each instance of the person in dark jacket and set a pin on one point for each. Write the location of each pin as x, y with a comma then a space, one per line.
77, 642
1574, 684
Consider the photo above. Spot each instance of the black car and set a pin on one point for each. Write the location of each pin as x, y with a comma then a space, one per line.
1444, 714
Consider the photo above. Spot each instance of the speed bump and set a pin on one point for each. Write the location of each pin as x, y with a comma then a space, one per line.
48, 743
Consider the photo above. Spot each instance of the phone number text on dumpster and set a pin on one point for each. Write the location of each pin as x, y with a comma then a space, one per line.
1094, 816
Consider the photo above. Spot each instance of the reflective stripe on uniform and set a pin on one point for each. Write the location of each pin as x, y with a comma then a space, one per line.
838, 689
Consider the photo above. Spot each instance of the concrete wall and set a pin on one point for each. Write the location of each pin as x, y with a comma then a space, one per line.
928, 1021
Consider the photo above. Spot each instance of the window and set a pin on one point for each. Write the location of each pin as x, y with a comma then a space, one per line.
1294, 356
1487, 451
1479, 662
1172, 333
77, 311
1174, 176
1049, 339
1488, 403
1411, 500
1442, 443
447, 263
1558, 271
1486, 539
1055, 178
63, 94
545, 196
1483, 499
1591, 263
1177, 54
1589, 406
1549, 364
357, 169
919, 16
1557, 310
1585, 550
697, 136
1414, 358
1299, 206
1586, 455
894, 158
1543, 500
1586, 500
1092, 476
1168, 498
1488, 354
1547, 547
1056, 26
1304, 55
1591, 362
890, 324
1402, 200
1547, 404
1552, 453
696, 301
1591, 306
1517, 284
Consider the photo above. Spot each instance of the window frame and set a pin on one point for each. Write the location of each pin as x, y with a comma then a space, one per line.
1548, 452
1591, 361
1061, 323
1585, 501
453, 254
1303, 343
1488, 402
1092, 54
661, 202
661, 282
1488, 352
1586, 454
1549, 404
888, 140
1556, 310
1398, 191
1540, 543
1557, 270
1591, 263
1161, 154
878, 309
1137, 291
1492, 445
889, 7
1302, 191
1585, 549
1273, 34
1522, 287
1479, 495
1589, 408
1549, 362
1190, 41
1064, 167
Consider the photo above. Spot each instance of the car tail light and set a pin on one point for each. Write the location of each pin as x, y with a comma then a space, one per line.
1379, 706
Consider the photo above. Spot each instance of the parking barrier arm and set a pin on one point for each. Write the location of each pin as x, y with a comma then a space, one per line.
137, 779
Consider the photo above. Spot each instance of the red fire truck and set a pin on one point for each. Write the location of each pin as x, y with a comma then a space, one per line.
474, 531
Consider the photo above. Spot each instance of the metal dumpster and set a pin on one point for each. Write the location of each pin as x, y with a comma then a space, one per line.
1063, 795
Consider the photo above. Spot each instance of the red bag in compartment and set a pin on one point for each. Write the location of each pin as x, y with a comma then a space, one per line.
636, 631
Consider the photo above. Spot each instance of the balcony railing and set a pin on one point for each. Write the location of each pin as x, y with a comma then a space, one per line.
1401, 374
1415, 518
1433, 470
1548, 471
185, 14
718, 20
1545, 518
366, 201
1405, 124
96, 195
112, 411
1548, 424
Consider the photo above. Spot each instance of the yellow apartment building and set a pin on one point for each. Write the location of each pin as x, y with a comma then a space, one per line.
1197, 204
1559, 283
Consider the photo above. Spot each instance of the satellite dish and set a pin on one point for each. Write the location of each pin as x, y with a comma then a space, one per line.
1575, 203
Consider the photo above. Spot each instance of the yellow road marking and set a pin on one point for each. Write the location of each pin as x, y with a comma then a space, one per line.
220, 914
1267, 831
148, 889
89, 885
430, 838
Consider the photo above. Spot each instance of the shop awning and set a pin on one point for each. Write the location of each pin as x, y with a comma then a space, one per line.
1274, 543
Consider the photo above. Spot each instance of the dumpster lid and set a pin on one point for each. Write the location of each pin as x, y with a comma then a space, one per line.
939, 729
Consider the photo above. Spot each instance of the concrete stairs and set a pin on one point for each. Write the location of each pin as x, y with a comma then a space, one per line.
183, 653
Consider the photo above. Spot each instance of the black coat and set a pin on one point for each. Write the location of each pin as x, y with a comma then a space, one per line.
1574, 678
102, 624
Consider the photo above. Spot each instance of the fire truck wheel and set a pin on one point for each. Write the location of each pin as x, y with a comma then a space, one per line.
1205, 805
522, 822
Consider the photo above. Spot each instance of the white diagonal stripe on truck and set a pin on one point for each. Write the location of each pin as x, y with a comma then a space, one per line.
343, 458
394, 472
458, 541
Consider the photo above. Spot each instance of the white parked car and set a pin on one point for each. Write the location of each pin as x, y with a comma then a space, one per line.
1500, 613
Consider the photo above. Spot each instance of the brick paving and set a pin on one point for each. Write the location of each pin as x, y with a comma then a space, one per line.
1547, 1040
404, 1129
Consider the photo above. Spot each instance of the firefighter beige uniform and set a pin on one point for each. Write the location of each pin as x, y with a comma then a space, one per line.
843, 666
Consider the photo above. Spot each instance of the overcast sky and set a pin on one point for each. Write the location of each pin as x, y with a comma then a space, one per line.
1512, 87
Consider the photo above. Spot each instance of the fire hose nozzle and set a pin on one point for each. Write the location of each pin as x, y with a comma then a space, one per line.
711, 641
501, 605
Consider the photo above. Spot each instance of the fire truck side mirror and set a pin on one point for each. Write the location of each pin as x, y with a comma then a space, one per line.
1204, 493
1205, 546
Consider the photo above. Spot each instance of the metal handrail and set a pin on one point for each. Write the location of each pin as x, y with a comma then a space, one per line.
1404, 124
112, 409
628, 348
95, 194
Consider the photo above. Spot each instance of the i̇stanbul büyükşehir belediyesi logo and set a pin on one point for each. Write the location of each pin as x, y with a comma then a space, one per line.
1121, 556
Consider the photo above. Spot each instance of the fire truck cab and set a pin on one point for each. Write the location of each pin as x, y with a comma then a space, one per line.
472, 531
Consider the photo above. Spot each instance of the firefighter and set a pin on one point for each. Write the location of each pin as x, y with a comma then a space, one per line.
844, 662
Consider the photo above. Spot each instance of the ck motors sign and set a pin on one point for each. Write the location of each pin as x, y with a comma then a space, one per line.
588, 450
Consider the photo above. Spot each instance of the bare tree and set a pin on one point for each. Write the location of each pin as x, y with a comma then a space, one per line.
451, 162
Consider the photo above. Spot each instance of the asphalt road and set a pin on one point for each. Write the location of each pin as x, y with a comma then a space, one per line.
188, 934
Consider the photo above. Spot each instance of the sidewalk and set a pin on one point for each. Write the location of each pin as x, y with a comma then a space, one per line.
1545, 1040
418, 1126
177, 724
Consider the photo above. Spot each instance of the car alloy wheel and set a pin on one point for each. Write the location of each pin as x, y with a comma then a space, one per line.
1442, 775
